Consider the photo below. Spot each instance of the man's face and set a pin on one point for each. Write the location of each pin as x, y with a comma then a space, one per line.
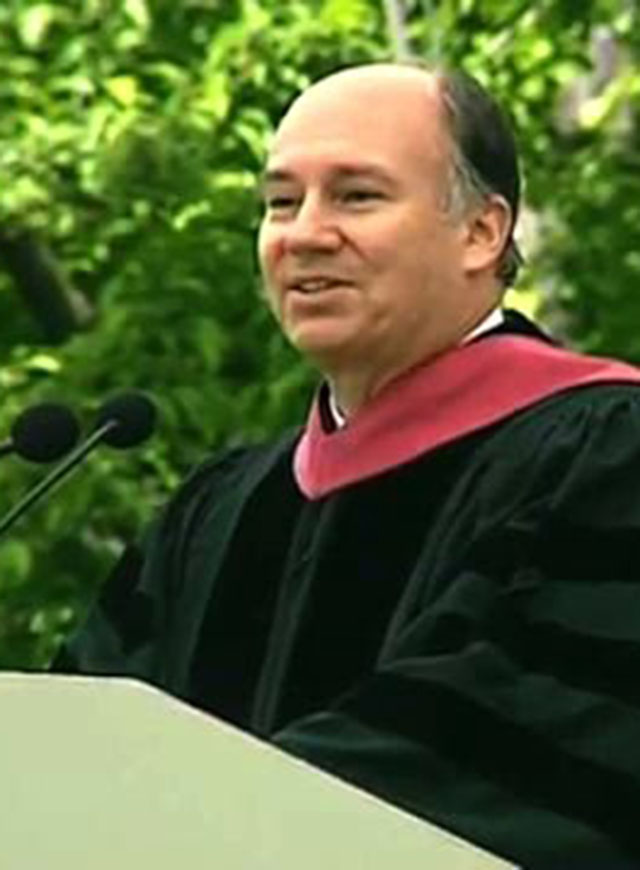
362, 266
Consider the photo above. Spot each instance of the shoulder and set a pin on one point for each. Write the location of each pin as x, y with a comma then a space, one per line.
577, 415
228, 473
577, 448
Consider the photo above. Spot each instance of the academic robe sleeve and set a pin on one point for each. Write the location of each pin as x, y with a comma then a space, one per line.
130, 629
505, 704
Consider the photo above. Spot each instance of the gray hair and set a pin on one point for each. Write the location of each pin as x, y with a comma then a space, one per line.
483, 157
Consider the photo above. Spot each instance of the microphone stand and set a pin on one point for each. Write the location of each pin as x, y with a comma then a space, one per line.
54, 477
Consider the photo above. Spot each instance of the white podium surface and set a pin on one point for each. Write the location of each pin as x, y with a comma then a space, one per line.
110, 773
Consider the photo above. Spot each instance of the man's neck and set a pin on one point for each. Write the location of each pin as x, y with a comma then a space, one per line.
347, 395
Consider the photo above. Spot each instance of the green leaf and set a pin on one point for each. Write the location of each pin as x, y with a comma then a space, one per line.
124, 89
33, 24
43, 362
15, 564
345, 14
138, 12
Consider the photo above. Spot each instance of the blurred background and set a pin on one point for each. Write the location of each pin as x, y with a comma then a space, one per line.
132, 134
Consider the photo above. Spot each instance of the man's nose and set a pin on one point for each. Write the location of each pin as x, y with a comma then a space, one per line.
313, 228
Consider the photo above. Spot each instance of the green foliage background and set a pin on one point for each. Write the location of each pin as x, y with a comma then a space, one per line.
132, 134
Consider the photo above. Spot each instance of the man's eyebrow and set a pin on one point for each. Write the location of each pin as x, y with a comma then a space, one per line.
366, 170
341, 170
275, 175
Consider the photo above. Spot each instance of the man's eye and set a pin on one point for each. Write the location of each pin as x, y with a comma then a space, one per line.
358, 195
280, 202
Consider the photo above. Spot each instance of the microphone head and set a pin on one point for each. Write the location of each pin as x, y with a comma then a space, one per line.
135, 416
45, 432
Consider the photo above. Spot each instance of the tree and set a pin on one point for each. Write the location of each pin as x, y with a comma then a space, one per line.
572, 82
132, 137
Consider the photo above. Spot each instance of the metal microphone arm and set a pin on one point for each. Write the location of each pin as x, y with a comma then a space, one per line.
54, 477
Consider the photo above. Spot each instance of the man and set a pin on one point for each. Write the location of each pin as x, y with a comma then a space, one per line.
432, 591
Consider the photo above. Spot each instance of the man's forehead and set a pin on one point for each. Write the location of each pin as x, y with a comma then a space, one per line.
286, 167
375, 110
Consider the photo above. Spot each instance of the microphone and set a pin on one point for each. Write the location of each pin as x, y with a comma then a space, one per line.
42, 433
123, 421
127, 420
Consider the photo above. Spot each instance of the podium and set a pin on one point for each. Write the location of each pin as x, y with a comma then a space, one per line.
111, 773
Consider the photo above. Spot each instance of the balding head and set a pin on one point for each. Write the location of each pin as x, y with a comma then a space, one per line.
374, 87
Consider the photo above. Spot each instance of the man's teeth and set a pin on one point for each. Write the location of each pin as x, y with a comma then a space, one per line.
319, 284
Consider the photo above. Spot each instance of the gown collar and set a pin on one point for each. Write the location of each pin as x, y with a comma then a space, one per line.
338, 419
462, 391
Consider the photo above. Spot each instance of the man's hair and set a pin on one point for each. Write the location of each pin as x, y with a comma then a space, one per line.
484, 156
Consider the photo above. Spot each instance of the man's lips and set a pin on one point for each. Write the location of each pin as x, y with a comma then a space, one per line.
316, 284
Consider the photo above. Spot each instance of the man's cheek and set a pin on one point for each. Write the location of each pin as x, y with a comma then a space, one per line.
271, 293
271, 249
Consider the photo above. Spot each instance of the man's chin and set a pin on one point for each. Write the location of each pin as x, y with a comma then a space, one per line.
326, 348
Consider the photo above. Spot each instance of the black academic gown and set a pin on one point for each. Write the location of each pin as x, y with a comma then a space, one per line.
459, 635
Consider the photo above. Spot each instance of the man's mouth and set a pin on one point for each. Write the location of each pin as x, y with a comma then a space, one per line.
316, 285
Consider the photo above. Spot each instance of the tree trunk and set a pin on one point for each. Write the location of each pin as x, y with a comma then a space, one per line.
57, 307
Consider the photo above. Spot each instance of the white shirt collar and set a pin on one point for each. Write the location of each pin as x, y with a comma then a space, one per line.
493, 319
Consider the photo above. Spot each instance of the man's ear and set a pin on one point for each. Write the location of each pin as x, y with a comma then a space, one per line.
487, 231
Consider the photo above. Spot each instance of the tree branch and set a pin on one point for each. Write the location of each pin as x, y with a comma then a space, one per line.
58, 308
396, 22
